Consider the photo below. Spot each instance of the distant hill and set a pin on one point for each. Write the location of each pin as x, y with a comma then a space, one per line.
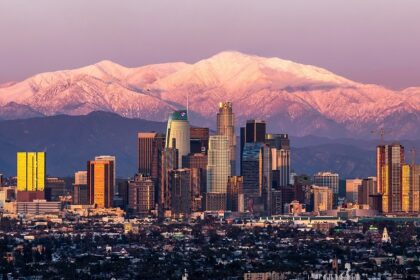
72, 140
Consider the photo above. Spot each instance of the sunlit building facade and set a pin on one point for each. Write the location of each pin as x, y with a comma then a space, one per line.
226, 127
100, 180
30, 171
178, 134
390, 159
410, 188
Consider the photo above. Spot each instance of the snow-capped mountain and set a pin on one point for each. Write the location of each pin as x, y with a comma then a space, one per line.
291, 97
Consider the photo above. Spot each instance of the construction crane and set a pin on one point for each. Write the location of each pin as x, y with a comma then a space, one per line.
381, 132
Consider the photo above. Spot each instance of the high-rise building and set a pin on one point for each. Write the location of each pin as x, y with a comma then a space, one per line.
327, 179
218, 171
278, 141
218, 164
30, 176
178, 134
54, 188
147, 142
352, 189
257, 172
226, 127
113, 159
367, 189
168, 161
199, 140
280, 150
235, 194
180, 186
253, 132
80, 178
141, 195
390, 159
198, 161
30, 171
410, 188
100, 180
322, 198
80, 188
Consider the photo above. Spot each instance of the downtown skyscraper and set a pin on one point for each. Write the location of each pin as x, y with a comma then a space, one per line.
226, 127
178, 134
100, 180
218, 172
389, 163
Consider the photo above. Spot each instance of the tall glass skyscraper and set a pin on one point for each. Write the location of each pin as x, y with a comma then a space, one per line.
253, 132
226, 126
390, 159
218, 165
178, 134
256, 169
280, 150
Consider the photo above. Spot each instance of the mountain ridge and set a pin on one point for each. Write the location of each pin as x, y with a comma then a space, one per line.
291, 97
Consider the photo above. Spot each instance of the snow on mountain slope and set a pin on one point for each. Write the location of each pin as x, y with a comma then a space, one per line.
300, 99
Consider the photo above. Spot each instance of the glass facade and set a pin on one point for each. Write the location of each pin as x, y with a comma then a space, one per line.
30, 171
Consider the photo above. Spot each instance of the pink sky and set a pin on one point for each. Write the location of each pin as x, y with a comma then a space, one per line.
376, 41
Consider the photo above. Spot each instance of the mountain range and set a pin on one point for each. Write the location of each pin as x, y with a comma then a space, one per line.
294, 98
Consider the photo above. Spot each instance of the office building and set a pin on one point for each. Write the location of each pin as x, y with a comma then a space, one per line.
253, 132
199, 162
180, 187
226, 127
168, 161
199, 140
30, 176
80, 188
147, 143
218, 170
278, 141
235, 194
113, 159
256, 169
141, 195
30, 171
280, 150
367, 189
279, 198
54, 189
352, 190
100, 180
178, 134
410, 188
390, 159
327, 179
322, 198
38, 207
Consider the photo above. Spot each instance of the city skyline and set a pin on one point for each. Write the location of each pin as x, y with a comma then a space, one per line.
213, 139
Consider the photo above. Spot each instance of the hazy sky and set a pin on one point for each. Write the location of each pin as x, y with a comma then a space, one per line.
374, 41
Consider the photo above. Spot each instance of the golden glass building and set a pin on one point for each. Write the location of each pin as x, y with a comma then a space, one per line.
30, 171
410, 188
100, 180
